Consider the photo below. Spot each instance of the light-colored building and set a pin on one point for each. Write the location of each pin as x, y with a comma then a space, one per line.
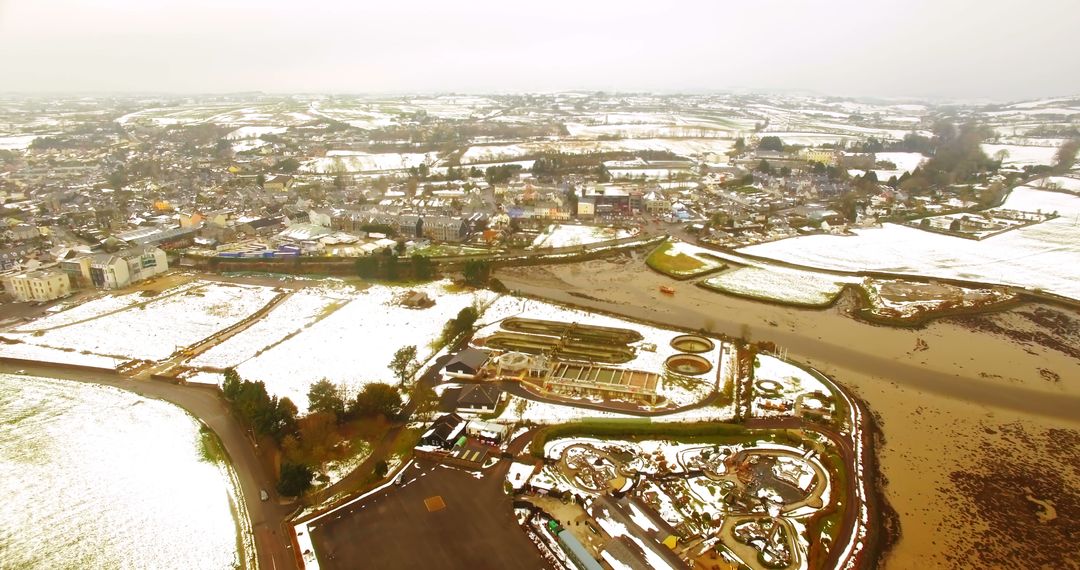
40, 285
116, 270
826, 156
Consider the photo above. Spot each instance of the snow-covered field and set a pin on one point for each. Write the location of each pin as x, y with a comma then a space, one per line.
1058, 183
689, 147
97, 307
18, 142
564, 235
353, 345
1021, 156
779, 284
156, 330
54, 355
292, 315
1041, 256
254, 132
349, 161
904, 161
792, 378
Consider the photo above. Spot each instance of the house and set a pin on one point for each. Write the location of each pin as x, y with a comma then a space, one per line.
482, 398
278, 183
320, 216
260, 226
466, 364
42, 285
656, 203
445, 431
489, 432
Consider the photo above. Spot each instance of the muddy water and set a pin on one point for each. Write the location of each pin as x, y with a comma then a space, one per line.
945, 409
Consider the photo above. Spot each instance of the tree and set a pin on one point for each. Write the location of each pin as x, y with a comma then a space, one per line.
425, 401
288, 165
771, 143
367, 266
423, 269
381, 468
326, 397
378, 398
294, 479
230, 387
1066, 156
739, 148
477, 272
260, 180
402, 363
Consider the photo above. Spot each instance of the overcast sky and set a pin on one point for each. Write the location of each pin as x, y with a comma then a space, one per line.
990, 49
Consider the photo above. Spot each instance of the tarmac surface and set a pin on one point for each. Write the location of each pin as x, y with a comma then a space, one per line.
393, 528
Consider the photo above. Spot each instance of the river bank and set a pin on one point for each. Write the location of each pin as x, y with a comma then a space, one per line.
951, 398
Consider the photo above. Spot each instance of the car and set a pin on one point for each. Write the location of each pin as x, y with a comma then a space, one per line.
263, 495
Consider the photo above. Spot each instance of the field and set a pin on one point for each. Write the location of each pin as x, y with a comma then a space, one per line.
906, 300
346, 161
1021, 156
158, 329
1042, 256
779, 285
565, 235
353, 345
295, 313
682, 260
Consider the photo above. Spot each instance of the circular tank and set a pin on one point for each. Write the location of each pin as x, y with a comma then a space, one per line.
688, 364
692, 343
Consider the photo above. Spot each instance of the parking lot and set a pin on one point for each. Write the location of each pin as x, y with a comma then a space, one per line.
405, 527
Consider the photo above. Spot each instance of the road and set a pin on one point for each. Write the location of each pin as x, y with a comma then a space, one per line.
272, 545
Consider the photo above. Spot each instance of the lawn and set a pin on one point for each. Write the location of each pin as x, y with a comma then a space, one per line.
681, 260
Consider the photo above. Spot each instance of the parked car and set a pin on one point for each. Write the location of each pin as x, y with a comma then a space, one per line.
263, 495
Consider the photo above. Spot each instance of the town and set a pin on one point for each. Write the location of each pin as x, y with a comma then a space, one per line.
489, 329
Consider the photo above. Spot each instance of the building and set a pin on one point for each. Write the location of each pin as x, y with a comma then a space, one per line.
41, 285
116, 270
445, 431
467, 364
576, 552
826, 156
480, 398
487, 431
278, 183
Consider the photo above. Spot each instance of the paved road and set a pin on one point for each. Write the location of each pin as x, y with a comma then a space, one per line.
271, 544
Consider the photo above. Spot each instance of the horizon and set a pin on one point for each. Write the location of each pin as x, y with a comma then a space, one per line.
892, 50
